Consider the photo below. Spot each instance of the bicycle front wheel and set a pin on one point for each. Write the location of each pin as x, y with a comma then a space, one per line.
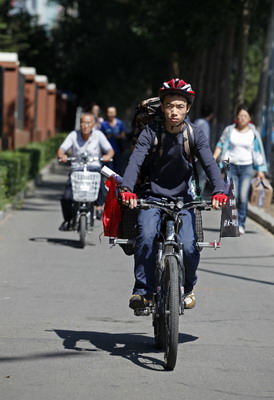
171, 310
83, 230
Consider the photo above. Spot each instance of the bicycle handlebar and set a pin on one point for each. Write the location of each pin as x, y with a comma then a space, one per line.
174, 206
85, 159
88, 159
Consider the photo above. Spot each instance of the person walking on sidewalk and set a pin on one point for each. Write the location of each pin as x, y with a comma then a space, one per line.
204, 124
242, 145
115, 132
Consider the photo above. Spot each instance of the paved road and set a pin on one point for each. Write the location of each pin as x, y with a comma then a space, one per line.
67, 333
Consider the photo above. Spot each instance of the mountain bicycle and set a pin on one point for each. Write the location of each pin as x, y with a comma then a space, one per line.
168, 298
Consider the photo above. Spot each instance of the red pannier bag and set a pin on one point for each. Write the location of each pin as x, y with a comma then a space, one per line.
112, 210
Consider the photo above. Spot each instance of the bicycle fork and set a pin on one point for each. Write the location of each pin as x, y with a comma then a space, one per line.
169, 248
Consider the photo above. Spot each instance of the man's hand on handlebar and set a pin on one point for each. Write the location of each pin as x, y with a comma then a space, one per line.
129, 199
63, 158
219, 200
106, 158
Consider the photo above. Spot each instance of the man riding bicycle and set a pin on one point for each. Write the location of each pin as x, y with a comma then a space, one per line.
169, 176
92, 142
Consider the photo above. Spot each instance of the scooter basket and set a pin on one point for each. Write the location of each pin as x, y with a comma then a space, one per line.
85, 185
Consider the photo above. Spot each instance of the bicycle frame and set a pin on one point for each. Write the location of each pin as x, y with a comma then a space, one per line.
168, 297
170, 245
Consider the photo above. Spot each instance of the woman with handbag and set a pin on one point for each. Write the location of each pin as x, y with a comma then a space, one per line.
242, 145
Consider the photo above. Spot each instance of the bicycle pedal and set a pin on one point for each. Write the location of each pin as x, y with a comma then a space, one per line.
142, 311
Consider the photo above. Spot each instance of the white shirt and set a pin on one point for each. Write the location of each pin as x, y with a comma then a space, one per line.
95, 146
241, 147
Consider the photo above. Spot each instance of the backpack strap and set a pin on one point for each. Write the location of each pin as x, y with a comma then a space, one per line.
188, 143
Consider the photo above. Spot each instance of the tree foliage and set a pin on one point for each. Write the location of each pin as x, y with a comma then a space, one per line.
21, 33
119, 51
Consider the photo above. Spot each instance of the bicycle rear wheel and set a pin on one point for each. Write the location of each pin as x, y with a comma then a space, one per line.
171, 310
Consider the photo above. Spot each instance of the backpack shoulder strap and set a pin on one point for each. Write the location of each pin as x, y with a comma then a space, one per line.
188, 140
188, 143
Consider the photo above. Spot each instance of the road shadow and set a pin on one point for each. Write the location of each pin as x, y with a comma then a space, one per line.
240, 277
135, 347
60, 242
249, 231
40, 207
37, 356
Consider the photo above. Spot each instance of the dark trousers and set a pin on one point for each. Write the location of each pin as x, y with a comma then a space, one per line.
146, 250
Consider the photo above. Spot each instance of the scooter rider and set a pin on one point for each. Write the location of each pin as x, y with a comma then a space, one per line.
92, 142
170, 177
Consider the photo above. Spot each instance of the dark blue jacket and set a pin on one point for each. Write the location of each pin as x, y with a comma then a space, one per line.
171, 173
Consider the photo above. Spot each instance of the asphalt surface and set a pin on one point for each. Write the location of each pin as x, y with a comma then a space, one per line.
66, 330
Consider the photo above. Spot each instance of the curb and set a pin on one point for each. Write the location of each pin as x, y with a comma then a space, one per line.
262, 217
49, 168
2, 215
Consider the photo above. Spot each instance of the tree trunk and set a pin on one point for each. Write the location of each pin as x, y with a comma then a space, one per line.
200, 99
215, 133
225, 112
240, 79
208, 78
174, 67
191, 75
261, 96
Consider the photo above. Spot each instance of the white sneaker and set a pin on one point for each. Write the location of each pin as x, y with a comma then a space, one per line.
241, 230
189, 300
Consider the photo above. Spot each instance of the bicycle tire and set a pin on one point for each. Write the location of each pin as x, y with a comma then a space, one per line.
171, 308
158, 318
83, 230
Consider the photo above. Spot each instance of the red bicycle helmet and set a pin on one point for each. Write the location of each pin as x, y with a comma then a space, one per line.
177, 86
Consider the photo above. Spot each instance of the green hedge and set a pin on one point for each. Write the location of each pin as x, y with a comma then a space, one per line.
20, 166
3, 185
41, 153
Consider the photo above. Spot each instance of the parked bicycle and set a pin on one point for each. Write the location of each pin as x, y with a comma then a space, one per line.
85, 189
168, 298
